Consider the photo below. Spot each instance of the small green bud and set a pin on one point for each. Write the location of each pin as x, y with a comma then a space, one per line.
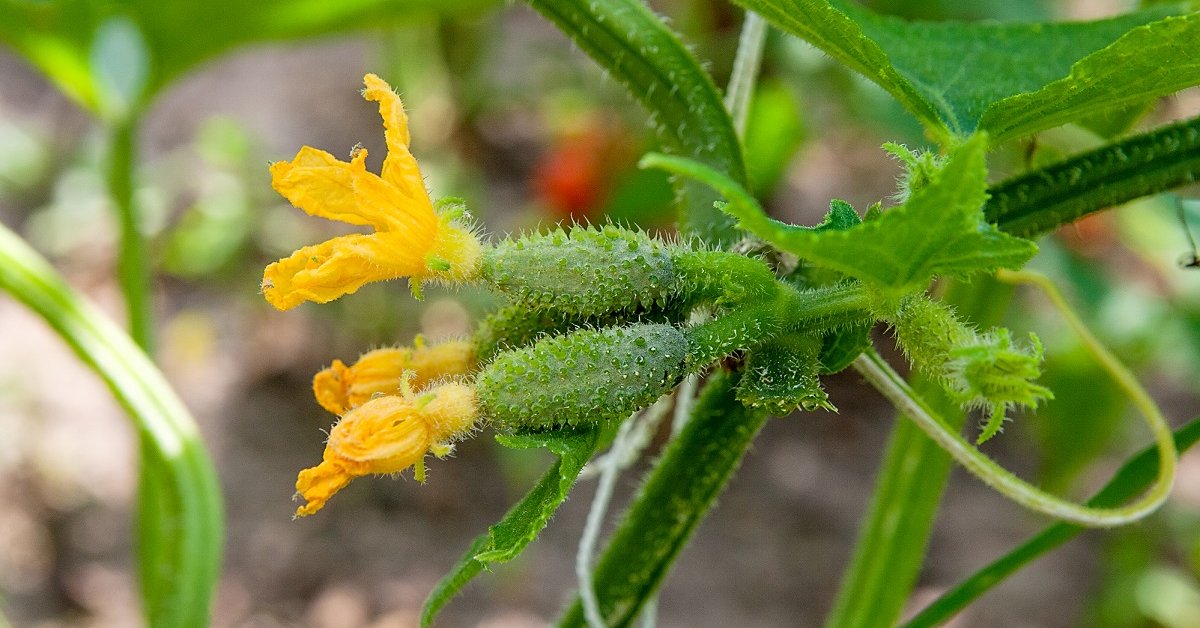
588, 271
582, 378
781, 376
920, 168
994, 374
978, 370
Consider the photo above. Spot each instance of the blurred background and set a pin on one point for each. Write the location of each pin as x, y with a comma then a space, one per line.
507, 114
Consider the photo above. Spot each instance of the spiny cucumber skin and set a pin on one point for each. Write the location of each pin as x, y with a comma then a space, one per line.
722, 278
717, 339
782, 376
514, 326
582, 378
587, 271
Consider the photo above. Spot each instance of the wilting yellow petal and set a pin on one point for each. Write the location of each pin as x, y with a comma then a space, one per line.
387, 435
399, 167
321, 185
411, 240
330, 387
318, 484
382, 371
444, 359
326, 271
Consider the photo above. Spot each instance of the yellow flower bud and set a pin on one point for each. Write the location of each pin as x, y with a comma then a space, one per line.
382, 371
388, 435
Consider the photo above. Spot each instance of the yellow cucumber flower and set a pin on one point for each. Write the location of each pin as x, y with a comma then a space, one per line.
383, 371
411, 239
388, 435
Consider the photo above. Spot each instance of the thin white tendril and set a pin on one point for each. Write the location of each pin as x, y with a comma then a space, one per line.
887, 381
685, 393
685, 398
631, 438
646, 426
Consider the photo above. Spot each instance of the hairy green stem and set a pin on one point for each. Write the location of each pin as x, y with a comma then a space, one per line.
181, 524
895, 532
133, 267
1149, 163
1134, 477
745, 70
757, 322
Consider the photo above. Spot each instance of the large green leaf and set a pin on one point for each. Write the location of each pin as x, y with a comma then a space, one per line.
938, 231
1009, 79
521, 525
78, 42
638, 50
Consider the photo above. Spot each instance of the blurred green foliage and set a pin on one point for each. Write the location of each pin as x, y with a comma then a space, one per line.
111, 56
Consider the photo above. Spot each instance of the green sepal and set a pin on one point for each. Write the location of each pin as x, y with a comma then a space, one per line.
450, 208
782, 376
522, 523
586, 377
843, 344
841, 216
585, 271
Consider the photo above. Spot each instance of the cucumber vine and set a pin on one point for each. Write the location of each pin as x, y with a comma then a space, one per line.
601, 322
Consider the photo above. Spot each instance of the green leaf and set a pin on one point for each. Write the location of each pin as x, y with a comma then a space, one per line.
938, 231
680, 491
180, 525
782, 376
1152, 60
64, 38
842, 345
521, 525
1010, 79
1131, 479
639, 51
